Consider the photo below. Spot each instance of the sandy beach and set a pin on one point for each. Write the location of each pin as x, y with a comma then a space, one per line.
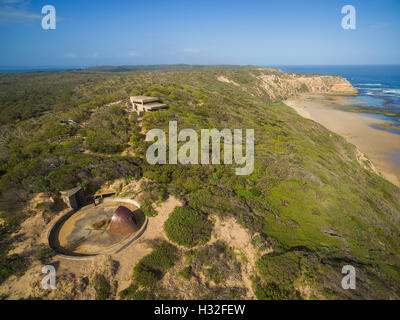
380, 147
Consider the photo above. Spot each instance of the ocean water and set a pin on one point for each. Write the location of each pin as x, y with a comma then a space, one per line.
378, 86
35, 69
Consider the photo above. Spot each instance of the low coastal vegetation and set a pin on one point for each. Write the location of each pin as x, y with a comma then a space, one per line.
308, 197
188, 227
149, 271
152, 267
218, 265
279, 273
102, 287
108, 131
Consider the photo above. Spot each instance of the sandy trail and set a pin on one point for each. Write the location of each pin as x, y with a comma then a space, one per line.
381, 147
131, 255
236, 236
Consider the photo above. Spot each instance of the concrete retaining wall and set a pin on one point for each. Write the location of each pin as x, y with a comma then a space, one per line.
52, 234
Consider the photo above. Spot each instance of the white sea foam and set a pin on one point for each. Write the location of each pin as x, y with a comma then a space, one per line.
381, 91
369, 84
394, 91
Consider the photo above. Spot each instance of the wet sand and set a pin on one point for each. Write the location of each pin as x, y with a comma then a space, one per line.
381, 147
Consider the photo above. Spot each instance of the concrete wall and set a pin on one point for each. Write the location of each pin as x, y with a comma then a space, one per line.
52, 235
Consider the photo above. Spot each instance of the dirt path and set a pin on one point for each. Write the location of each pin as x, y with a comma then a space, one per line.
239, 238
128, 258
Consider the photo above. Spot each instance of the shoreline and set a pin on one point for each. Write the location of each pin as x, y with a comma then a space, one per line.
381, 147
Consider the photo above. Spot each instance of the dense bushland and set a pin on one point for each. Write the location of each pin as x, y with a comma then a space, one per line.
308, 197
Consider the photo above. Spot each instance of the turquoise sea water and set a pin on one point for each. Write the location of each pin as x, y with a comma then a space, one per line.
378, 86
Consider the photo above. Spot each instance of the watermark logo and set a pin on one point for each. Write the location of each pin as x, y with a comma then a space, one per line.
188, 153
349, 280
49, 280
49, 20
349, 20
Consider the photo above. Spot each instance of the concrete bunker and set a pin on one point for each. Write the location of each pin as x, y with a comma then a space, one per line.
104, 228
73, 198
142, 104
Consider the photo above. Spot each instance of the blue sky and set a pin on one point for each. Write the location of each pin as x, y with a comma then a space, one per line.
117, 32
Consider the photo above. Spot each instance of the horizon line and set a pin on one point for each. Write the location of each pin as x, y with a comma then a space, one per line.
190, 64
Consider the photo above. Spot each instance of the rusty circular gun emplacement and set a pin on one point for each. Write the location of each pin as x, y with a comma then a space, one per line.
123, 222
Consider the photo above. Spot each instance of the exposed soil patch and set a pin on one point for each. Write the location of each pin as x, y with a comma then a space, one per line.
74, 276
226, 80
239, 238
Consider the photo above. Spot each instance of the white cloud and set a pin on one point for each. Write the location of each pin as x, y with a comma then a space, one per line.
17, 11
11, 1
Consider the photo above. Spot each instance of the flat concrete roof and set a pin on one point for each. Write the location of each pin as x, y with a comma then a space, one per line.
70, 192
143, 99
154, 105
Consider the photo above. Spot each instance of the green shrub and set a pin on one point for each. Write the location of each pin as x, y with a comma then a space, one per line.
132, 292
102, 287
128, 292
149, 211
279, 272
272, 291
188, 227
11, 265
305, 179
215, 274
44, 253
137, 140
186, 273
152, 267
109, 131
43, 206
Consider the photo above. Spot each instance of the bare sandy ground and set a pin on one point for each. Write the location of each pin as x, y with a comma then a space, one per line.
226, 80
239, 238
71, 274
75, 277
381, 147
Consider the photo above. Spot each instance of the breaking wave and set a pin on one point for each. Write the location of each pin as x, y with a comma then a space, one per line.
369, 84
392, 91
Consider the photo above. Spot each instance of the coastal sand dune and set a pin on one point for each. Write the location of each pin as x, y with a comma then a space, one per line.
381, 147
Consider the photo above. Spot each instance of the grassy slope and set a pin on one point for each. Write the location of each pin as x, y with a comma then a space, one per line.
308, 196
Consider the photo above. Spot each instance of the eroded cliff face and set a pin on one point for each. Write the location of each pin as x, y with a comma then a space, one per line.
282, 85
279, 85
